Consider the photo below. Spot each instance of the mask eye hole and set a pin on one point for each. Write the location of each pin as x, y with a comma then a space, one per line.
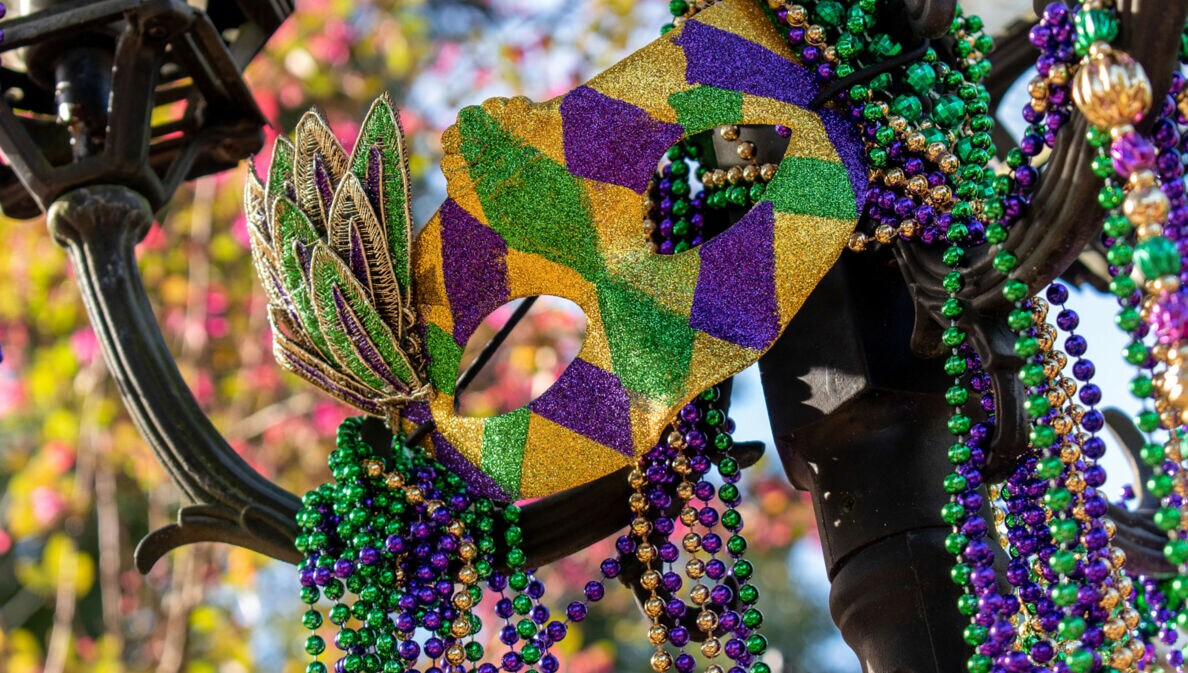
709, 181
534, 354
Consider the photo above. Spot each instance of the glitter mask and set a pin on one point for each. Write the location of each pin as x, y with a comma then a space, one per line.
547, 199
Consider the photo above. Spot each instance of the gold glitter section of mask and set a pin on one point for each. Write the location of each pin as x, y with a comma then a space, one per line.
463, 432
551, 445
457, 174
595, 347
658, 275
648, 416
746, 19
618, 218
537, 124
715, 359
432, 302
529, 275
809, 138
811, 246
647, 78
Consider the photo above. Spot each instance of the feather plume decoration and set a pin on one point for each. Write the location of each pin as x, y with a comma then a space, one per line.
330, 236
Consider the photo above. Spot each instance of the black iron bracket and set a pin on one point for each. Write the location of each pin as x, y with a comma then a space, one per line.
99, 226
144, 54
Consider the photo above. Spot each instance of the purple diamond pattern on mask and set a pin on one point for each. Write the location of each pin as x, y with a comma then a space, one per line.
735, 299
474, 267
612, 141
718, 58
591, 402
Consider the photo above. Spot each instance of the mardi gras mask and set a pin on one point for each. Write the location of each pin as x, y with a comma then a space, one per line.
547, 199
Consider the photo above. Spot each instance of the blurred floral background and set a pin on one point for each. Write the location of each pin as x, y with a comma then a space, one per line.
80, 487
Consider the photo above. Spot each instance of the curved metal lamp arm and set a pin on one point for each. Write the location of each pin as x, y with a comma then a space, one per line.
99, 226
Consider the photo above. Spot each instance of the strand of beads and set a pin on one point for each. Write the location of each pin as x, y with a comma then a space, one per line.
675, 216
650, 472
1030, 544
1109, 620
1051, 100
739, 186
403, 535
678, 466
973, 571
1030, 495
1112, 106
1167, 318
533, 628
1060, 568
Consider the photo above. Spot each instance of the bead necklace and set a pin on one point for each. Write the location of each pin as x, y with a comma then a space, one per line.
1143, 204
679, 465
405, 537
389, 530
1049, 108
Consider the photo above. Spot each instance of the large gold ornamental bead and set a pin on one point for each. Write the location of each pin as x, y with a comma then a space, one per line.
1112, 89
1146, 206
1173, 386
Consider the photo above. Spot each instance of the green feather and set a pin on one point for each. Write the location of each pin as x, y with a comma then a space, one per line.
280, 171
329, 273
381, 130
352, 216
297, 359
290, 227
314, 138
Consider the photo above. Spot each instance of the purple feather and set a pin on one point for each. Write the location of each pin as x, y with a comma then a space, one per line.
359, 259
284, 295
347, 395
303, 257
322, 181
374, 176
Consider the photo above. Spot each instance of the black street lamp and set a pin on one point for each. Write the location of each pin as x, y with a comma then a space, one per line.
117, 103
98, 74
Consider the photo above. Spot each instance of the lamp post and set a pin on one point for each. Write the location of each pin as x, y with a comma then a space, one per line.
117, 103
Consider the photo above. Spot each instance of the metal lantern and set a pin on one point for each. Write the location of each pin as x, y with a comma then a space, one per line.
142, 93
107, 106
